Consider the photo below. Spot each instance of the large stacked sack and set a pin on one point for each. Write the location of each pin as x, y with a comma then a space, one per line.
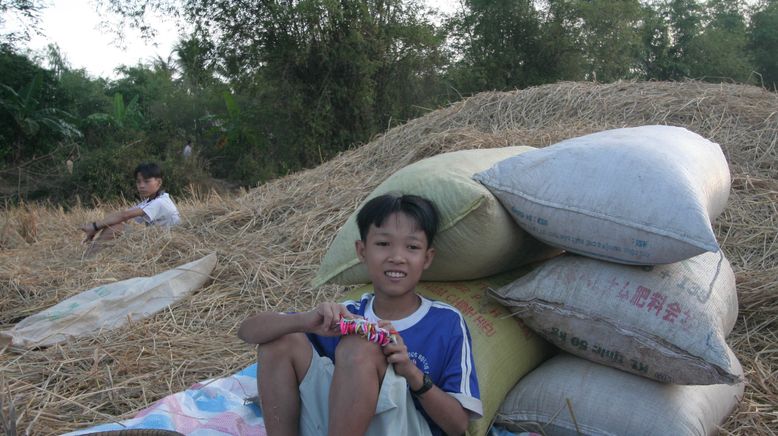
476, 237
642, 195
568, 395
667, 322
622, 198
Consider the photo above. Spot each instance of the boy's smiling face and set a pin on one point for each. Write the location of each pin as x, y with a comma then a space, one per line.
395, 254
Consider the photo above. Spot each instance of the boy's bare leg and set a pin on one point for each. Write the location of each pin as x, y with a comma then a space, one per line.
360, 366
283, 364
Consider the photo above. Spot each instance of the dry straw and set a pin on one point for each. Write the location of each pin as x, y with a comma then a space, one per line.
270, 240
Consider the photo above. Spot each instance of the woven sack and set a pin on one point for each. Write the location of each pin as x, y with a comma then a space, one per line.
644, 195
570, 396
477, 237
666, 322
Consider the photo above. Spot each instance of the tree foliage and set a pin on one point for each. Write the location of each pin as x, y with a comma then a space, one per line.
32, 120
763, 42
719, 51
26, 13
500, 43
265, 87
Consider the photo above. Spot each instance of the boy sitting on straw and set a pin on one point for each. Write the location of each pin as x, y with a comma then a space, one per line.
156, 208
312, 380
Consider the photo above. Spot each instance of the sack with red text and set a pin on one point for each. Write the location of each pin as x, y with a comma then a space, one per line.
666, 322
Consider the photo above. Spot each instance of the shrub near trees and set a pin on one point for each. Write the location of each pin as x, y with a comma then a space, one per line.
270, 87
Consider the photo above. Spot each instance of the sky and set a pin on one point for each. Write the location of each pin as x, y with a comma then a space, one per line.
74, 26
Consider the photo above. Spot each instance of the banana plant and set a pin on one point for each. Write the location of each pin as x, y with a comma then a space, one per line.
31, 120
232, 128
123, 115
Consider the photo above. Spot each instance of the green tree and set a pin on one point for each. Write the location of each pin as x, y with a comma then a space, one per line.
122, 116
149, 86
658, 58
18, 70
763, 42
719, 51
239, 148
685, 20
500, 45
195, 60
508, 44
609, 35
560, 54
33, 122
28, 14
318, 75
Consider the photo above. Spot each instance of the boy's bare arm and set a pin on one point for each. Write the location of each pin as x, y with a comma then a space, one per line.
120, 216
110, 220
445, 410
265, 327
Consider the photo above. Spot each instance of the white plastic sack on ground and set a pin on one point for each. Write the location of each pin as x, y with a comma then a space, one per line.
109, 306
667, 322
605, 401
644, 195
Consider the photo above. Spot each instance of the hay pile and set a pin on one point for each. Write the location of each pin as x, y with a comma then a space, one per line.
270, 240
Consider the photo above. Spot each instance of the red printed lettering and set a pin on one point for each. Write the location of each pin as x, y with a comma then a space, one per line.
465, 308
656, 302
640, 297
672, 312
686, 322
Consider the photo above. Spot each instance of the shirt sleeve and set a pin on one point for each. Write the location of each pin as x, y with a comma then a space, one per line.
152, 209
459, 377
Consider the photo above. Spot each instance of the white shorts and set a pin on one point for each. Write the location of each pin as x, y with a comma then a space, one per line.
395, 413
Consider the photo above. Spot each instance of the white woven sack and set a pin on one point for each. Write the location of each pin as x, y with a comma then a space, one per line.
109, 306
476, 237
605, 401
644, 195
666, 322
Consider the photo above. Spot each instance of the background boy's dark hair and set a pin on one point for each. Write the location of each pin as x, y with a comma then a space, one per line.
148, 170
423, 211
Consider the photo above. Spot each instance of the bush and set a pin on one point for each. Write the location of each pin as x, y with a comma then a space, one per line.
107, 174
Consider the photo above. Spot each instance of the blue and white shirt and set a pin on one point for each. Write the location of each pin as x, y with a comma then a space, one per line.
438, 343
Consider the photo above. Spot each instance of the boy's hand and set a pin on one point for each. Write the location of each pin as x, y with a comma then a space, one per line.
397, 354
89, 230
324, 319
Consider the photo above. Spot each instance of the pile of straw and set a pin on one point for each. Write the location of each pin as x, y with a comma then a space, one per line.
270, 240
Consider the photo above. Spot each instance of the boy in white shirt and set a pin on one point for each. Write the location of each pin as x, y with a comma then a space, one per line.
156, 207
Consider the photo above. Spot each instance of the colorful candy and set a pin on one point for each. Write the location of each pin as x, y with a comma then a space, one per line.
368, 330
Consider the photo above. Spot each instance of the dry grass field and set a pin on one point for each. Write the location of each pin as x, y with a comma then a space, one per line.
269, 241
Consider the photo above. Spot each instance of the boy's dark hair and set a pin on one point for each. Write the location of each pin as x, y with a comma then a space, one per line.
422, 211
148, 170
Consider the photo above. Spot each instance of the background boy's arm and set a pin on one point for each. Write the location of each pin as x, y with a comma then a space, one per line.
110, 220
265, 327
